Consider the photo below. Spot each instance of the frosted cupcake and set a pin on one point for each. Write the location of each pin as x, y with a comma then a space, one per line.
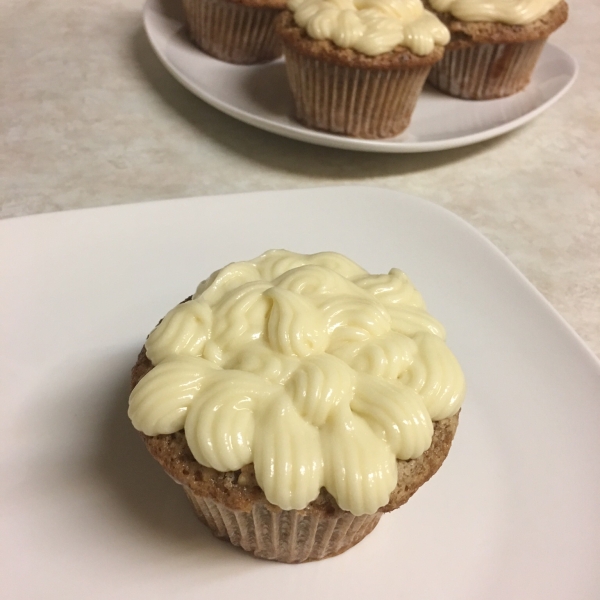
235, 31
357, 67
495, 44
296, 399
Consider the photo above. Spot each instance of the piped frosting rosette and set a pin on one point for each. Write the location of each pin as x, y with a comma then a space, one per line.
318, 373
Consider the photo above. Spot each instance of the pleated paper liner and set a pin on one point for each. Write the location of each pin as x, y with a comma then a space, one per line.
486, 71
232, 31
358, 102
290, 536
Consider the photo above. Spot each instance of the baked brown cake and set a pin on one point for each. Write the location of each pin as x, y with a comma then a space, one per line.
297, 398
235, 31
486, 60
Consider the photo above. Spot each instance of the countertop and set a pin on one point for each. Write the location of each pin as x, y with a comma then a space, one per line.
89, 117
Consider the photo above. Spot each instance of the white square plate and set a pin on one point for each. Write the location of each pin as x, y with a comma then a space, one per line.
86, 513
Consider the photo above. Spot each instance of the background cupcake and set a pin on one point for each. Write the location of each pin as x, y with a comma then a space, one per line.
296, 398
236, 31
357, 67
495, 44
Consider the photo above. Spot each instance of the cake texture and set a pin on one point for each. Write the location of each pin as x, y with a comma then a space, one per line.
235, 31
492, 59
296, 399
353, 83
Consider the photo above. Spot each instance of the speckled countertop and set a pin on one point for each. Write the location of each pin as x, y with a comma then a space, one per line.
89, 117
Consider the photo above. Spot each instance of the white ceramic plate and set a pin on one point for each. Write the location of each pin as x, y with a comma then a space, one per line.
259, 95
85, 511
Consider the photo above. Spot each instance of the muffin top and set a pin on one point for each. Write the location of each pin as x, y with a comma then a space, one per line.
315, 371
511, 12
371, 27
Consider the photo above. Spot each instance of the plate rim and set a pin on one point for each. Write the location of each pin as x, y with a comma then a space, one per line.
151, 11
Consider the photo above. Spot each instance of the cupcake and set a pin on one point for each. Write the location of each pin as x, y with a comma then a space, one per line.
495, 44
296, 398
356, 67
236, 31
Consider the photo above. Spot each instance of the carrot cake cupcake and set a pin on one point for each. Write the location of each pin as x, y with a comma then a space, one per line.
356, 67
296, 398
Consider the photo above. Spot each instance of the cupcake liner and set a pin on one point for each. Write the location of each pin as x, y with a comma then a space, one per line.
290, 536
233, 32
354, 101
486, 71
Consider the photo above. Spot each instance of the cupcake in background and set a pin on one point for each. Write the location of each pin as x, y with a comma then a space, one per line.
357, 67
235, 31
495, 44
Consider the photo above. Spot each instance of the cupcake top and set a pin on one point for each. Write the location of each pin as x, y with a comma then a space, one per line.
318, 373
372, 27
511, 12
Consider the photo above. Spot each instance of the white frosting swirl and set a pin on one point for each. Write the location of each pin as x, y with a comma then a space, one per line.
436, 376
183, 330
371, 27
511, 12
307, 366
288, 458
162, 397
359, 466
219, 427
295, 327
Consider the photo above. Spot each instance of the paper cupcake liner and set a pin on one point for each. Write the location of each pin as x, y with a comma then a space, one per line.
233, 32
486, 71
358, 102
290, 536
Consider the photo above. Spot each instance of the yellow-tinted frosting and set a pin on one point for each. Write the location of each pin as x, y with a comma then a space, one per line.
307, 366
511, 12
371, 27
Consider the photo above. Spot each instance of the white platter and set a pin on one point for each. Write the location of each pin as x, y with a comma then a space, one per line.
259, 94
86, 513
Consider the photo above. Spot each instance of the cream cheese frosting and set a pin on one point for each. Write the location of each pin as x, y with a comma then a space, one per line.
511, 12
307, 366
371, 27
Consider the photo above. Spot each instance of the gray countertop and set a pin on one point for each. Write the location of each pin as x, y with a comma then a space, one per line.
89, 117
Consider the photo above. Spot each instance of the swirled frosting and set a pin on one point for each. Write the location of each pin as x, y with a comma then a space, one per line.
371, 26
511, 12
319, 373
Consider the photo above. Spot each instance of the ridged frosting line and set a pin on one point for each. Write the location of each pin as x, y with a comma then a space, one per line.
395, 413
360, 468
226, 279
184, 330
391, 288
389, 356
288, 460
239, 316
318, 385
294, 326
159, 402
436, 376
219, 427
